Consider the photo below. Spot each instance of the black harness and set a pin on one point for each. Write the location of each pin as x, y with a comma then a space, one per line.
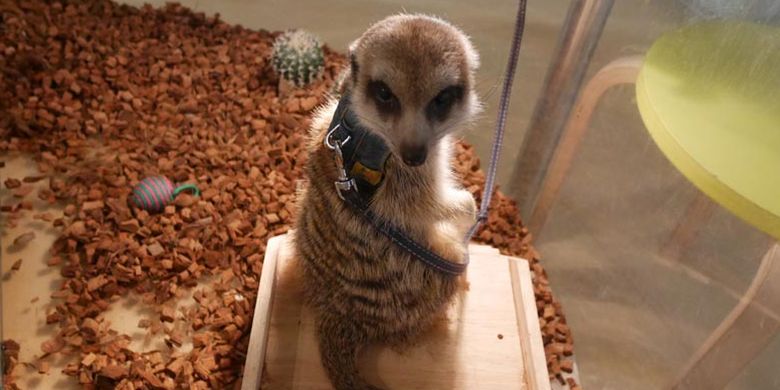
360, 158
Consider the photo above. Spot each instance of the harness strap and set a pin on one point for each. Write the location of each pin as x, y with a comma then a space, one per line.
360, 157
398, 237
363, 153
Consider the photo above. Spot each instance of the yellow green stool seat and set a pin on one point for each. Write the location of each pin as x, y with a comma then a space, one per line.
709, 95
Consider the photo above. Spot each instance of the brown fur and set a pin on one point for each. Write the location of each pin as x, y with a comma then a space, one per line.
362, 287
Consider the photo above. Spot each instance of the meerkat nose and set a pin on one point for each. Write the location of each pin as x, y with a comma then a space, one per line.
414, 155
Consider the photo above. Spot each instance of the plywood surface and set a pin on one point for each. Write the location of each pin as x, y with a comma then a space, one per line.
478, 346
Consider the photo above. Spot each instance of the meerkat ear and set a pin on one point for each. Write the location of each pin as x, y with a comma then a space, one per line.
349, 77
474, 60
353, 64
472, 56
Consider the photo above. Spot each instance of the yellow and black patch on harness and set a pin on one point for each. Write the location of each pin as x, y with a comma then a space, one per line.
369, 175
364, 153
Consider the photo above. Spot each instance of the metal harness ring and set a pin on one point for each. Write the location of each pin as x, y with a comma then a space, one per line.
331, 133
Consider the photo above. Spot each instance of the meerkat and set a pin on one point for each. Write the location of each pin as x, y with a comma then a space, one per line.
410, 84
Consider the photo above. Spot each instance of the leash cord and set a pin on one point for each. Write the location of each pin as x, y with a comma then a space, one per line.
498, 138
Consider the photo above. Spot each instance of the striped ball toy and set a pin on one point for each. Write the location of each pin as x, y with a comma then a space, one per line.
154, 193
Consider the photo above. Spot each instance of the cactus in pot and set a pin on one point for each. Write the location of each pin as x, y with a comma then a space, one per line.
297, 58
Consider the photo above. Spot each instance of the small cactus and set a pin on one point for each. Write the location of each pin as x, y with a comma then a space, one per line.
297, 57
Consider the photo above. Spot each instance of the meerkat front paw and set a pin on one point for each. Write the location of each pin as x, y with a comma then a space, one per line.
446, 239
461, 203
462, 208
468, 204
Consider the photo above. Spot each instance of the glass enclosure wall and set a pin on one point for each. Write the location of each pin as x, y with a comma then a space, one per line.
639, 313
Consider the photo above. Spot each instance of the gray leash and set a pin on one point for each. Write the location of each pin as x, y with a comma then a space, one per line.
498, 138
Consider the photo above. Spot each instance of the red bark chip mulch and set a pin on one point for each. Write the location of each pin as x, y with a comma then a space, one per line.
102, 96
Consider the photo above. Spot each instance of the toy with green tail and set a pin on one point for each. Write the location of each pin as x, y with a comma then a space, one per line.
154, 193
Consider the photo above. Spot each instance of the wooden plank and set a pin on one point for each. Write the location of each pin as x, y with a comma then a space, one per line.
477, 346
253, 368
528, 325
476, 249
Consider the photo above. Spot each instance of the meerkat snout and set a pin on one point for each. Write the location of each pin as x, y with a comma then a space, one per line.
412, 82
414, 154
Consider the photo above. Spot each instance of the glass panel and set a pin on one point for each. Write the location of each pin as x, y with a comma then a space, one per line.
638, 312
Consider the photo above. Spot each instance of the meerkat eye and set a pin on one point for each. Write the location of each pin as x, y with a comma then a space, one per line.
382, 92
440, 105
384, 98
444, 98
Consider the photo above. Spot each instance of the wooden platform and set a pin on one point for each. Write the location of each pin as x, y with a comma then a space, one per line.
490, 340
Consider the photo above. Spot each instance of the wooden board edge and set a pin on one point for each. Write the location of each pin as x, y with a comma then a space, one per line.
261, 320
475, 249
534, 363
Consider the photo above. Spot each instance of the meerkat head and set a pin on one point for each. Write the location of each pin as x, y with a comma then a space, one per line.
411, 80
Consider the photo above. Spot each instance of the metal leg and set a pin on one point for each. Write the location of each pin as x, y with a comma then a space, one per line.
621, 71
582, 29
742, 334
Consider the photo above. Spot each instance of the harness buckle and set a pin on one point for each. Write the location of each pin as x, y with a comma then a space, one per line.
344, 186
344, 183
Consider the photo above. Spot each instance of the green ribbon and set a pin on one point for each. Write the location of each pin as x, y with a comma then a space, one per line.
184, 187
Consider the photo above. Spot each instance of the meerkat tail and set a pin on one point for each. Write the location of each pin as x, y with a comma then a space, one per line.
339, 346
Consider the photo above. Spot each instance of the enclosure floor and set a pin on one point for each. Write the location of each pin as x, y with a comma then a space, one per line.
636, 316
26, 293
